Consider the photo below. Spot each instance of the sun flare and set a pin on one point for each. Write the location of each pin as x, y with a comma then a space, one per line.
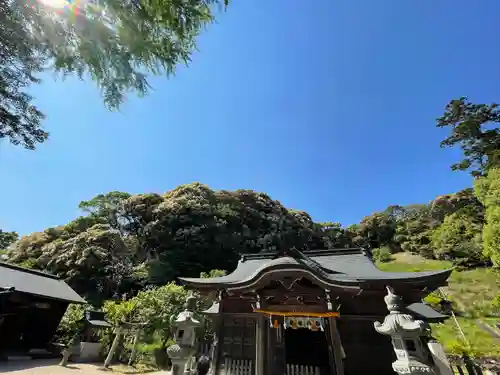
62, 5
57, 4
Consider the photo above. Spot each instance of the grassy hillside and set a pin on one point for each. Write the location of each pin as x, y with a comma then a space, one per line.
473, 294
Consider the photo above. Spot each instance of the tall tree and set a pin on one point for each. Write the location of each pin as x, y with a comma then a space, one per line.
106, 206
414, 228
376, 230
463, 201
193, 228
488, 191
458, 238
7, 238
474, 127
335, 236
95, 261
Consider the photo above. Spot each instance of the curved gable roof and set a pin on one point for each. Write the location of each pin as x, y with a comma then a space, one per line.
336, 266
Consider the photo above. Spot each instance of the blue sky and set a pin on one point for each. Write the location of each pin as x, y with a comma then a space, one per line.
328, 105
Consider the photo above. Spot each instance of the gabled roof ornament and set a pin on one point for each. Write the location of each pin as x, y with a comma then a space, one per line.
303, 259
394, 303
367, 251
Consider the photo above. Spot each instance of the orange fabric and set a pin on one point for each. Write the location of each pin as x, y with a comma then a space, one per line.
303, 314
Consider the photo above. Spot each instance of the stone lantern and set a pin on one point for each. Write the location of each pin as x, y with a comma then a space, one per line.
409, 338
184, 348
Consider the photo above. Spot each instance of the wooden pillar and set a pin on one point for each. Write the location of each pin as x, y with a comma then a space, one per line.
219, 329
259, 345
134, 347
276, 361
337, 347
68, 351
114, 345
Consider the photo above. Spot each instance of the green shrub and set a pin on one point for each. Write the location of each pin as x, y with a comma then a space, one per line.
152, 307
29, 263
382, 255
495, 306
487, 189
71, 323
434, 300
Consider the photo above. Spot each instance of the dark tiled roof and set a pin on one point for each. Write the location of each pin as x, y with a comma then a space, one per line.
37, 283
99, 323
425, 312
343, 266
96, 318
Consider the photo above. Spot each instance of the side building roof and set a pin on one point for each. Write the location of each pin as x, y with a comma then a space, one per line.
423, 311
36, 283
337, 267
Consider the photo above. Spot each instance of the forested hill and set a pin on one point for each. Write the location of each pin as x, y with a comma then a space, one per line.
123, 242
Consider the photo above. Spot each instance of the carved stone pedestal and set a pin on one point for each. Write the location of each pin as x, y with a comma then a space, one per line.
179, 357
412, 367
409, 339
185, 338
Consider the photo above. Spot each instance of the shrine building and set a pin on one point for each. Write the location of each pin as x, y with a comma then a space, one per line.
309, 313
32, 304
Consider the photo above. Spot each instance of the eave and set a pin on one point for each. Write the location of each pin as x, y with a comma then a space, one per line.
424, 312
36, 283
429, 280
272, 273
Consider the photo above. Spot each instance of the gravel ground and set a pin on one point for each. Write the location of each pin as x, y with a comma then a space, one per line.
50, 367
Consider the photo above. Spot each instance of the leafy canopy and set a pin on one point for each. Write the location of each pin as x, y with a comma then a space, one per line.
7, 238
459, 236
488, 191
473, 129
114, 42
20, 61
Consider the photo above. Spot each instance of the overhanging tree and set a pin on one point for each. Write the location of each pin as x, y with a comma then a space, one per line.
114, 42
20, 61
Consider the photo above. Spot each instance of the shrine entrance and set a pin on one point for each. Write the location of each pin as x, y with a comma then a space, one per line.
299, 333
299, 345
307, 348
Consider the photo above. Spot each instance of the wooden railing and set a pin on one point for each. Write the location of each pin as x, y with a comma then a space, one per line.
467, 366
302, 370
237, 367
463, 370
203, 348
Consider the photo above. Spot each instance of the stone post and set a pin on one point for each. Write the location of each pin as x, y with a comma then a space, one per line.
259, 344
185, 338
409, 339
